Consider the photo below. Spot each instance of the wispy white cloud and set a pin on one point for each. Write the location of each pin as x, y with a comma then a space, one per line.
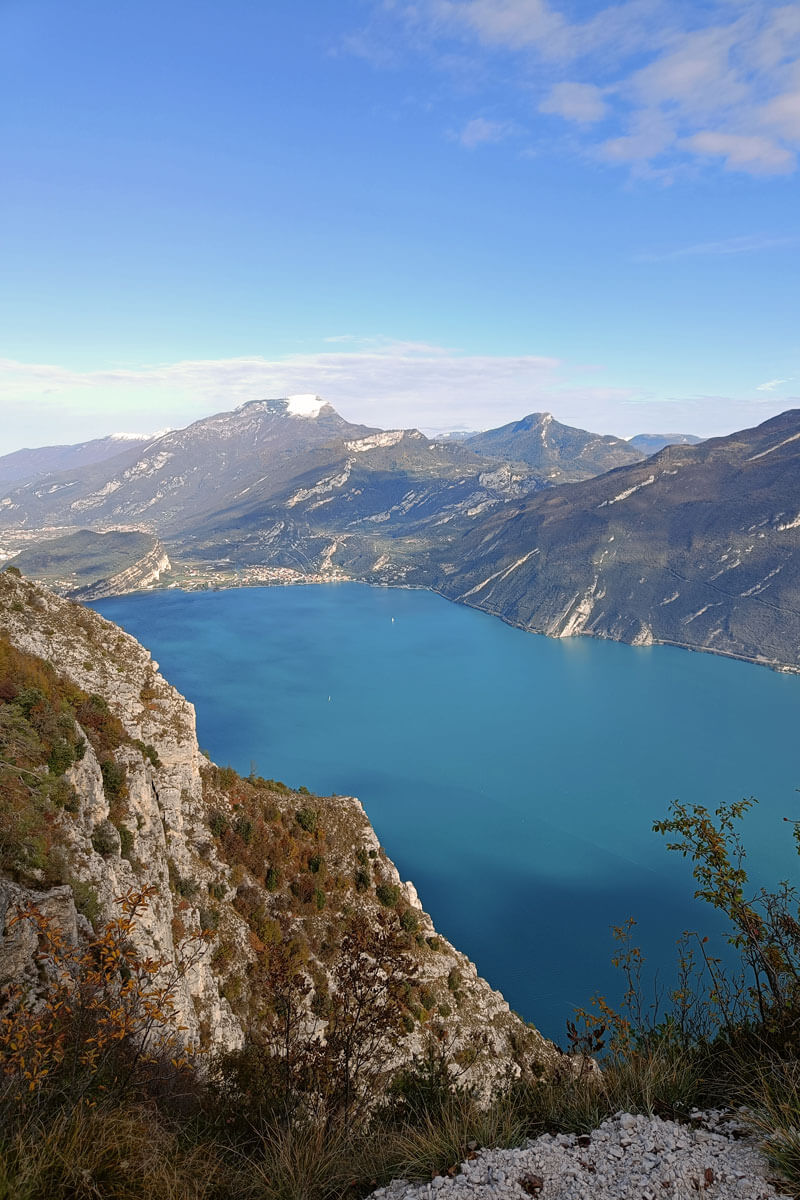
751, 153
479, 132
384, 383
680, 84
580, 102
753, 243
771, 384
782, 113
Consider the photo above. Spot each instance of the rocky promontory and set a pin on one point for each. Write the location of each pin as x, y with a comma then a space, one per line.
106, 791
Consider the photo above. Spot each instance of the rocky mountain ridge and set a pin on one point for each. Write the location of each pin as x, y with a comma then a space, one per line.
558, 452
698, 546
298, 472
129, 801
28, 464
691, 546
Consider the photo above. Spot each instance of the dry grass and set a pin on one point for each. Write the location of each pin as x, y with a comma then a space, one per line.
85, 1153
772, 1096
136, 1152
305, 1161
438, 1141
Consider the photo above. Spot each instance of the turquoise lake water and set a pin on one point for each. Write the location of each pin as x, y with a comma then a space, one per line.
512, 777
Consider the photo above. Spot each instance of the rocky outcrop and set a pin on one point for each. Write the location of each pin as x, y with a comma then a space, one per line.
249, 861
145, 573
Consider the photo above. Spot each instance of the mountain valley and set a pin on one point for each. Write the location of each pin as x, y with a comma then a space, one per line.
554, 529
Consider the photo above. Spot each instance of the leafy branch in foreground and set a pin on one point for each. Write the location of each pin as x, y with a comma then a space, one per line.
108, 1013
766, 931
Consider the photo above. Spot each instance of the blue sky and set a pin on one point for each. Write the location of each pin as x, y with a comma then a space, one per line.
444, 213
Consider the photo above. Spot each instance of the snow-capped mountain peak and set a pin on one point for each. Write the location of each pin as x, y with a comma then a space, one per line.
306, 405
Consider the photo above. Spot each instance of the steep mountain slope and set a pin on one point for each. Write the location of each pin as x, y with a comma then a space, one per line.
695, 546
281, 483
651, 443
23, 465
187, 471
103, 789
373, 506
91, 565
698, 546
556, 452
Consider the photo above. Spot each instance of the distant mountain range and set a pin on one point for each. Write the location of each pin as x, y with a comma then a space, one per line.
696, 545
271, 455
24, 465
651, 443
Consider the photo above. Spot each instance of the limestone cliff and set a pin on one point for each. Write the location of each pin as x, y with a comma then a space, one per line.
144, 573
250, 861
89, 564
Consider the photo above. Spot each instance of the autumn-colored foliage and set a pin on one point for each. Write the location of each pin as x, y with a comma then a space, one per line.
107, 1013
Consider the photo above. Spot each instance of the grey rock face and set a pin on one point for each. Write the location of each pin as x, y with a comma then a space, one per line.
163, 840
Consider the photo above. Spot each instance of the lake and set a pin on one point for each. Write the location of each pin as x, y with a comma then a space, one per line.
512, 777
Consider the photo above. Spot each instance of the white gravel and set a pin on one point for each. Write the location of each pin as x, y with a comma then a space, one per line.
627, 1158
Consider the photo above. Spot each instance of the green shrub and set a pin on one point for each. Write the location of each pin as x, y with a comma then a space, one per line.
126, 840
427, 997
307, 819
87, 901
62, 794
409, 921
147, 751
272, 880
218, 824
105, 839
226, 777
61, 758
243, 828
115, 780
388, 894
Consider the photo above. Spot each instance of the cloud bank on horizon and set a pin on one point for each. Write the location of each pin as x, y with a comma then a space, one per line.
389, 385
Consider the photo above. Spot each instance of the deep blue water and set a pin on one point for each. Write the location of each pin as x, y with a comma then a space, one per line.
512, 777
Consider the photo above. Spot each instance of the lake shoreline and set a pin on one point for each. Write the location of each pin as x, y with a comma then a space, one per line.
509, 776
317, 581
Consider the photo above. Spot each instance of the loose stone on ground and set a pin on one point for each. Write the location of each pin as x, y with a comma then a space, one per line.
627, 1158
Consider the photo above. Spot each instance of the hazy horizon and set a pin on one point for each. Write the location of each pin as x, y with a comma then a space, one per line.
153, 435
